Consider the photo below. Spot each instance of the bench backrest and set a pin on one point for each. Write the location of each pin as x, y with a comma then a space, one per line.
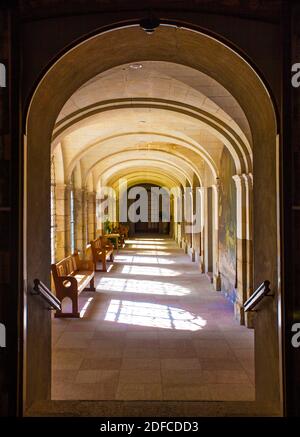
66, 266
96, 244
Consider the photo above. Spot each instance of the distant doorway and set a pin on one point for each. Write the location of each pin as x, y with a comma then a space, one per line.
156, 223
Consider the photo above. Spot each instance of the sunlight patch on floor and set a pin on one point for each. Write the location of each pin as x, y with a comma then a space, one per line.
153, 315
85, 307
149, 241
146, 270
141, 286
147, 246
133, 259
154, 252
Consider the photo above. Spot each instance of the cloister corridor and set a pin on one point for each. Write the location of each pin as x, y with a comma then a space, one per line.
155, 329
154, 144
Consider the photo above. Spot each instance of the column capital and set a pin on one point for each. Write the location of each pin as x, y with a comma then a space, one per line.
69, 185
243, 180
60, 185
239, 180
248, 178
217, 186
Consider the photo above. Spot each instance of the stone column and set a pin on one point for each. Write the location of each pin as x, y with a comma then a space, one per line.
191, 248
67, 217
172, 231
197, 223
91, 214
241, 247
216, 264
249, 243
98, 216
183, 233
117, 211
60, 209
208, 264
202, 212
85, 238
188, 208
79, 220
178, 216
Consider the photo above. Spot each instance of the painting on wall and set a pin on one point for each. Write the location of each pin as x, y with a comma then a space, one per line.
227, 225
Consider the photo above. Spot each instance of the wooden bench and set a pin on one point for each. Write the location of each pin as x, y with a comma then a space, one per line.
71, 276
102, 248
114, 239
123, 232
123, 229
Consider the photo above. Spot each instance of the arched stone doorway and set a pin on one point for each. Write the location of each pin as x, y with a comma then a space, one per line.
197, 51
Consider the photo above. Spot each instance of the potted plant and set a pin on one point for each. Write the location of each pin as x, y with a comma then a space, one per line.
107, 226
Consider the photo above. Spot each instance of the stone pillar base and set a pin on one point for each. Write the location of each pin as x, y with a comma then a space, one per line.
217, 282
209, 276
239, 313
185, 247
201, 264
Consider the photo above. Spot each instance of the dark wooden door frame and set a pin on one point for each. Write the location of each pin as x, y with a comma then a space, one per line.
290, 214
289, 226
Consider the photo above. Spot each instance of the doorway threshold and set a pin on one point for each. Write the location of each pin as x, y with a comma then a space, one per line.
150, 409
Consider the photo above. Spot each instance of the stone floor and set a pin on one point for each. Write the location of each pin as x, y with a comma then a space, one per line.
154, 330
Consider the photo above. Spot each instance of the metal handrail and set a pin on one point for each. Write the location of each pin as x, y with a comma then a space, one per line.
262, 291
41, 290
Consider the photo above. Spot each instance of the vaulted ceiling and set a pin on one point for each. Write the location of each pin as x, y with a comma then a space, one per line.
150, 121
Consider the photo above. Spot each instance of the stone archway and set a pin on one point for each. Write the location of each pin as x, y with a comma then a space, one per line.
169, 44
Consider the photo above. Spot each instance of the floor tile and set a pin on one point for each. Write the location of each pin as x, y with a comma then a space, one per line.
135, 392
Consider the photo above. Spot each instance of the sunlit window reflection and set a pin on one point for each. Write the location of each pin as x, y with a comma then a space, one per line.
153, 315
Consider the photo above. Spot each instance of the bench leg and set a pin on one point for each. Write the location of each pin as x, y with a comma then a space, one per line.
75, 305
60, 315
98, 269
75, 313
92, 285
104, 269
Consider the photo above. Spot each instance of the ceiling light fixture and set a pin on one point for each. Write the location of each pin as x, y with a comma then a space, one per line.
149, 24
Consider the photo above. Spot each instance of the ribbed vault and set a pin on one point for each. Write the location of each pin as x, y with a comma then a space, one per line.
134, 112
